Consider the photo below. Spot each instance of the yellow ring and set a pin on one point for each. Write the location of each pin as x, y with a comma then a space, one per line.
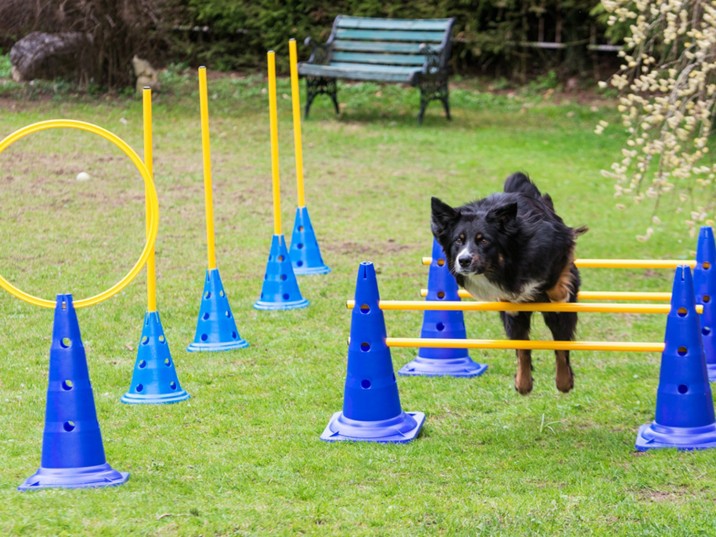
152, 207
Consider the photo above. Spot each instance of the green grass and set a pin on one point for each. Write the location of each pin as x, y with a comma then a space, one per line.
242, 456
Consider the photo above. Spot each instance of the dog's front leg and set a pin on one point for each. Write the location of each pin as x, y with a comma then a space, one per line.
523, 378
517, 326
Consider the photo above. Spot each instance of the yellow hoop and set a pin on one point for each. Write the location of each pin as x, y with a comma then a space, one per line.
152, 207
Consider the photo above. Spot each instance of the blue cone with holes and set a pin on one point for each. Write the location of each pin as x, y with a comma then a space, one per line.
442, 324
684, 416
72, 450
371, 404
216, 328
154, 380
304, 252
280, 289
705, 288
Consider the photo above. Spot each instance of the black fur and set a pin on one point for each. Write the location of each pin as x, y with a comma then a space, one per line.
513, 246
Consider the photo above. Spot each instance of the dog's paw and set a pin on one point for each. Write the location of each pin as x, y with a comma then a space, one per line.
523, 384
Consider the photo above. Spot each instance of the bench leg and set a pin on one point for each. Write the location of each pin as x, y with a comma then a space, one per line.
433, 89
319, 85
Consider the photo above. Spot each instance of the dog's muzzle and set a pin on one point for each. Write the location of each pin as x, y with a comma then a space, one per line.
466, 263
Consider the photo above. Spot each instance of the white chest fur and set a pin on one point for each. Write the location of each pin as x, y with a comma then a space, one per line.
481, 288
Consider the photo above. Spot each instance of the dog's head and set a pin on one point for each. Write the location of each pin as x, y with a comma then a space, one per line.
473, 235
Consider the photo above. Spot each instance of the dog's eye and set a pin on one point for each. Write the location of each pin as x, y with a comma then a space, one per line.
460, 239
481, 240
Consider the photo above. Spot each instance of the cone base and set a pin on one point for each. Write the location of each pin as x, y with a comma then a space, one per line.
655, 436
294, 304
442, 367
102, 475
197, 346
310, 271
712, 372
154, 399
401, 429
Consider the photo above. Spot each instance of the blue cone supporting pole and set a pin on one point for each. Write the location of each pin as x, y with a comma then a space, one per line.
304, 252
280, 289
684, 417
216, 328
154, 380
442, 324
705, 288
371, 404
72, 450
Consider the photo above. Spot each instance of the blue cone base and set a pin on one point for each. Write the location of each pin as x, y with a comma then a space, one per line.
401, 429
216, 328
220, 346
442, 367
310, 271
294, 304
655, 436
305, 253
154, 399
74, 478
711, 368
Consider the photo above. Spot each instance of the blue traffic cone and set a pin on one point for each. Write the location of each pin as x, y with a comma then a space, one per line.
371, 404
280, 289
705, 286
442, 324
684, 416
216, 328
72, 451
154, 380
304, 252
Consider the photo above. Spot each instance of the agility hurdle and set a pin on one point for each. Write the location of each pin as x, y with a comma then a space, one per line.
653, 296
620, 263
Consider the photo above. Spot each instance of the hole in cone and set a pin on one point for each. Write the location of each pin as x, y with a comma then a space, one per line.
234, 335
139, 387
440, 327
706, 299
221, 293
299, 246
65, 343
682, 389
682, 351
365, 347
365, 384
284, 277
280, 259
207, 295
142, 364
145, 340
286, 296
706, 265
69, 426
441, 262
173, 385
162, 339
205, 317
706, 330
167, 362
228, 314
300, 228
681, 312
299, 263
204, 337
440, 294
364, 308
67, 385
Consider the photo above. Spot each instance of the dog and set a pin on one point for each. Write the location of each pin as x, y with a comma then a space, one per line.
512, 246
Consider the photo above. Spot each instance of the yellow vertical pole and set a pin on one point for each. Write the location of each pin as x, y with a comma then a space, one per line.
297, 142
208, 199
273, 125
151, 261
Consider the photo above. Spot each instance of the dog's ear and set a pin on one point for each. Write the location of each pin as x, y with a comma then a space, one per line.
443, 217
503, 215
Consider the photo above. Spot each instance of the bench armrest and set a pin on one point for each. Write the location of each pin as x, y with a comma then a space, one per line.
320, 52
434, 59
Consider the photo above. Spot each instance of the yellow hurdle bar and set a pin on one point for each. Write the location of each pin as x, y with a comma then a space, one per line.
148, 162
621, 263
656, 296
273, 131
525, 344
560, 307
206, 159
296, 106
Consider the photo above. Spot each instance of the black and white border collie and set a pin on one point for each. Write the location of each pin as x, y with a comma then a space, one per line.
512, 246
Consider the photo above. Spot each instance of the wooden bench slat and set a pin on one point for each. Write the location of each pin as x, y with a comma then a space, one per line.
387, 59
353, 71
383, 46
387, 35
440, 25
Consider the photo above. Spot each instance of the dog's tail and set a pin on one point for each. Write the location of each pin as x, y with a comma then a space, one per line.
520, 183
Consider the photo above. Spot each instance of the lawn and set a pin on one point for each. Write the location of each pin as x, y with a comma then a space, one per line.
243, 455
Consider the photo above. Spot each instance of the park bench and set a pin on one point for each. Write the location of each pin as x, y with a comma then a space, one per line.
403, 51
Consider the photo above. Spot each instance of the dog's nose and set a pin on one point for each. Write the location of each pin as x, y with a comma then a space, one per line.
464, 261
